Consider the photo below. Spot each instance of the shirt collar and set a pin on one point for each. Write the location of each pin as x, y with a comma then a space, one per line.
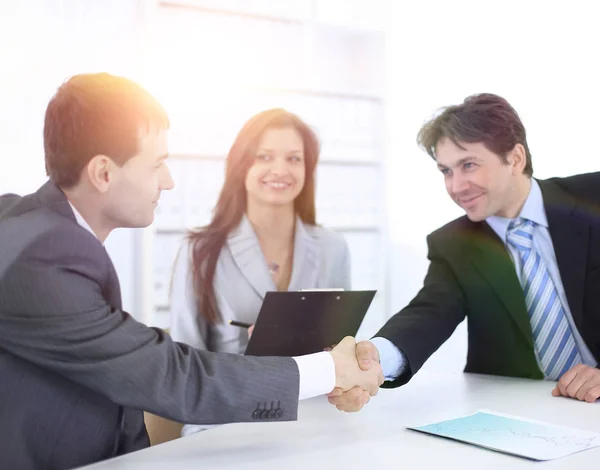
533, 210
80, 220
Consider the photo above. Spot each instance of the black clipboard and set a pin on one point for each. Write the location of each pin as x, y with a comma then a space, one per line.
305, 322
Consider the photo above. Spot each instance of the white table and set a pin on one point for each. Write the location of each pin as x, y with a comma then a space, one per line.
324, 437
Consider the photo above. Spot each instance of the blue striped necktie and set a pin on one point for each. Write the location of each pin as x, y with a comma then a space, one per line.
554, 341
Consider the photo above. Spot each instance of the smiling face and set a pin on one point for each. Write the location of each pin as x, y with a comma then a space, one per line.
482, 182
278, 172
133, 189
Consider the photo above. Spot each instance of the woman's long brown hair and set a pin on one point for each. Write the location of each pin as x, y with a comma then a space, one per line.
208, 241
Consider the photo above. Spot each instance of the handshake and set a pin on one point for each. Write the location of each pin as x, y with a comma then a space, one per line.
358, 374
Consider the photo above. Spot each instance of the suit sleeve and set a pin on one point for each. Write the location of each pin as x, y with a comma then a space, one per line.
59, 319
7, 201
430, 318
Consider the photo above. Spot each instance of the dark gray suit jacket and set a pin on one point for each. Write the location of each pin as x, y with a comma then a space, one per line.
471, 275
77, 370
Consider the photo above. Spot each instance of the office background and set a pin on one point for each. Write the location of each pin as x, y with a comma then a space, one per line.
365, 74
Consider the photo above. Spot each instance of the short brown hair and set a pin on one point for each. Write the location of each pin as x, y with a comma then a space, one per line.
485, 118
96, 114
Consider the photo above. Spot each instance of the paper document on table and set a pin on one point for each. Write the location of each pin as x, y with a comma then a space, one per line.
514, 435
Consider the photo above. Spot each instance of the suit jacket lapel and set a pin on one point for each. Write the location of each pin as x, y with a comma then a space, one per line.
113, 290
569, 231
493, 262
51, 196
306, 259
245, 250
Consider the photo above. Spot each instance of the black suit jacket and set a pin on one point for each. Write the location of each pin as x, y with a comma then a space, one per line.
76, 371
471, 275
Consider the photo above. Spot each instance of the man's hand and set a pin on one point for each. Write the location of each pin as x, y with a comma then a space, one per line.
250, 331
581, 382
348, 374
355, 398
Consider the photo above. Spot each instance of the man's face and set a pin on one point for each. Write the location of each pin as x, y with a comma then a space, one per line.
136, 186
478, 180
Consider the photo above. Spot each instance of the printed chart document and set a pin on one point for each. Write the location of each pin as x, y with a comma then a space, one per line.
514, 435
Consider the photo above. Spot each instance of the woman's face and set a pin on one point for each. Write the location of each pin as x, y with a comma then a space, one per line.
278, 172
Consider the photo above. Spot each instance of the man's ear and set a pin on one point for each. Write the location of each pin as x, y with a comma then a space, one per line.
100, 171
517, 158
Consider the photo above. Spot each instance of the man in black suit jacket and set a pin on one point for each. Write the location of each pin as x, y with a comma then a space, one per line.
532, 310
76, 370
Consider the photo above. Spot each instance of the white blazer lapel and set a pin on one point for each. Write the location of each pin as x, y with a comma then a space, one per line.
245, 250
306, 265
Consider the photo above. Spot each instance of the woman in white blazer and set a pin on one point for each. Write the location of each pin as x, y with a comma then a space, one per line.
263, 237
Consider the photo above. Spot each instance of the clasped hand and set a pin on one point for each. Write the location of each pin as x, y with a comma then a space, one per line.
358, 374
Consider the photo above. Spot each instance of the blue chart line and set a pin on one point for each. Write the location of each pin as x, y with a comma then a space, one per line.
550, 440
514, 435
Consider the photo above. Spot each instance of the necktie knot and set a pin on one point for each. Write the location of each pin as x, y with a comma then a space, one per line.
520, 233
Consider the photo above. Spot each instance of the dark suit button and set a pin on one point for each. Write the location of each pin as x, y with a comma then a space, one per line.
256, 414
278, 413
264, 414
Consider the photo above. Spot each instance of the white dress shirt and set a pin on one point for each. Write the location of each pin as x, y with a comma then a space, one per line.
80, 220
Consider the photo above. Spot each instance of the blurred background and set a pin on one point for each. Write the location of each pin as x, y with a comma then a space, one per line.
364, 74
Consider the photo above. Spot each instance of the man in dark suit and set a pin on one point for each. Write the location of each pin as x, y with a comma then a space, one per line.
76, 370
522, 266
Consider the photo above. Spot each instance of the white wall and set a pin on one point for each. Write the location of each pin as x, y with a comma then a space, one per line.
541, 56
42, 42
48, 40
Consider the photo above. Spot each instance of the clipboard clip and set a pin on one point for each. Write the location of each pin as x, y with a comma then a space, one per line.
335, 289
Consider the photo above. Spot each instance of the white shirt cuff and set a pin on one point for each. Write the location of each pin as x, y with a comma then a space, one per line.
391, 358
317, 374
190, 429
